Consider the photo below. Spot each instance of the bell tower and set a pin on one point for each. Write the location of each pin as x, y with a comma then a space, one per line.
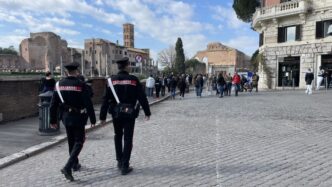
128, 35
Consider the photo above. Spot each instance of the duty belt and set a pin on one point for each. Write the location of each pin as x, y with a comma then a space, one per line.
71, 109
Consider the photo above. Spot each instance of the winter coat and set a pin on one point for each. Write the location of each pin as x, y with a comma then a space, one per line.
150, 82
236, 79
309, 77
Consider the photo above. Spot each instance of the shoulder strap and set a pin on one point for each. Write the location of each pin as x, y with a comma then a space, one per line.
58, 91
109, 80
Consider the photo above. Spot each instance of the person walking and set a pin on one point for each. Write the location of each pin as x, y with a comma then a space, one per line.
255, 79
182, 85
163, 86
173, 84
73, 99
121, 95
320, 77
309, 77
158, 86
236, 81
150, 82
221, 83
47, 83
199, 85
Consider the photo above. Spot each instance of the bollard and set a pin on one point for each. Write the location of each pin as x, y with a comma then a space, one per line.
44, 115
293, 83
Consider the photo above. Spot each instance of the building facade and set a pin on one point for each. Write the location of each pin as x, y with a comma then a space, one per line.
44, 51
294, 36
100, 55
221, 58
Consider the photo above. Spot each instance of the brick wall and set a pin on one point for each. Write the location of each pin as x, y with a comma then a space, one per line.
19, 98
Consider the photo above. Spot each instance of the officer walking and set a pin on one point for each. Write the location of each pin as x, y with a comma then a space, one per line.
127, 90
73, 101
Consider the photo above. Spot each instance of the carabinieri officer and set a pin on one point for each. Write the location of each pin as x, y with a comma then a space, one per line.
128, 90
72, 98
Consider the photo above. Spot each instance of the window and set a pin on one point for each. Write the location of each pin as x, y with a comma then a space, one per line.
261, 39
290, 33
125, 52
322, 28
96, 62
120, 52
284, 1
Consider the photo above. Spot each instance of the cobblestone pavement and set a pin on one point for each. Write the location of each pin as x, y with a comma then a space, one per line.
263, 139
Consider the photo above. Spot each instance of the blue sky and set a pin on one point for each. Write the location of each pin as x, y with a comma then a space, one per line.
158, 23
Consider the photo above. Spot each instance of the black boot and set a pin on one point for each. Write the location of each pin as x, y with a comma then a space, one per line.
126, 170
77, 167
67, 173
119, 165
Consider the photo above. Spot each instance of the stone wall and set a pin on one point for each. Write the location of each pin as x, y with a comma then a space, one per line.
19, 98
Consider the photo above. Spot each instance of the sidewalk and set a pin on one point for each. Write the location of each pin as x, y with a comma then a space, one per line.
20, 139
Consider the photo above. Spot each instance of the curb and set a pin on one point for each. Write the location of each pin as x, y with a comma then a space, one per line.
36, 149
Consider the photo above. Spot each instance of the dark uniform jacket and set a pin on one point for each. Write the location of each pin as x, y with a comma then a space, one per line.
76, 100
128, 89
309, 77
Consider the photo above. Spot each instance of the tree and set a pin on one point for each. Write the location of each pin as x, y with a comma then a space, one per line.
167, 56
194, 66
180, 58
10, 50
254, 61
245, 9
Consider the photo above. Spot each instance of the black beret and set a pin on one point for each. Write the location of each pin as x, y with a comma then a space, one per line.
123, 61
72, 66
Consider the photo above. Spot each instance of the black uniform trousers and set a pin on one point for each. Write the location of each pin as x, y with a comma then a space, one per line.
76, 138
123, 128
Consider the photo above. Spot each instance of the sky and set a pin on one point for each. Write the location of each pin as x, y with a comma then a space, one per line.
158, 23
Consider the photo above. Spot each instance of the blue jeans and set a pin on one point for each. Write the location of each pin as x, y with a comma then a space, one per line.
221, 89
199, 91
149, 92
173, 90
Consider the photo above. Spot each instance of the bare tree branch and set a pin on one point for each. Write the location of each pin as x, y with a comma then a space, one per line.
167, 56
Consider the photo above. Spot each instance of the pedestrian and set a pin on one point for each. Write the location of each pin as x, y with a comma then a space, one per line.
236, 81
182, 85
157, 86
163, 86
255, 79
149, 86
47, 83
221, 83
121, 95
228, 87
173, 84
320, 77
309, 77
72, 97
169, 78
199, 85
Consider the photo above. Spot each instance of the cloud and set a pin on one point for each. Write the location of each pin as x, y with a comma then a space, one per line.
106, 31
226, 15
8, 40
165, 21
60, 21
62, 8
99, 2
75, 44
246, 44
87, 25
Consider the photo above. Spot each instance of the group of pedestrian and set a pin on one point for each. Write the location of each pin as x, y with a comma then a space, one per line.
224, 83
171, 82
122, 99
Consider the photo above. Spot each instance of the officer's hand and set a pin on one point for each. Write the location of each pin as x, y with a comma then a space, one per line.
92, 125
102, 122
147, 118
54, 126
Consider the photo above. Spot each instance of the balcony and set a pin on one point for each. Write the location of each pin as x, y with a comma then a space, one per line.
295, 7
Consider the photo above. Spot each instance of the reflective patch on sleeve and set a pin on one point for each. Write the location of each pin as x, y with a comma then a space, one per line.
71, 88
124, 82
